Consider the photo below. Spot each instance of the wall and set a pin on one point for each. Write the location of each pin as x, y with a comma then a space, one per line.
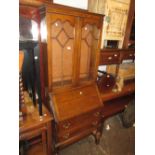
74, 3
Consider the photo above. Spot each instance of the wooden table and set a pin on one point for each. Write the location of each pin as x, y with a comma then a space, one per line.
115, 102
128, 88
33, 125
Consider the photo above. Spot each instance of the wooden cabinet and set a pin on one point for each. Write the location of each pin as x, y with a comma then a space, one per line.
116, 13
70, 108
73, 46
73, 42
82, 104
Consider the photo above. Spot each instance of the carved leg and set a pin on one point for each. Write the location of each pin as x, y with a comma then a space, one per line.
97, 137
56, 151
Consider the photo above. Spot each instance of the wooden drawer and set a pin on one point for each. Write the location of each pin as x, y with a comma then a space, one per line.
106, 82
74, 125
75, 102
68, 129
69, 135
107, 58
127, 55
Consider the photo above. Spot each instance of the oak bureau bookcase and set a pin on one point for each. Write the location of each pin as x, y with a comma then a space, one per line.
71, 58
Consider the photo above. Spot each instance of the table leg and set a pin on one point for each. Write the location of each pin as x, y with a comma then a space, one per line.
44, 142
49, 138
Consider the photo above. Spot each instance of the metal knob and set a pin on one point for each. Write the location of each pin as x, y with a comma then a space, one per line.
115, 55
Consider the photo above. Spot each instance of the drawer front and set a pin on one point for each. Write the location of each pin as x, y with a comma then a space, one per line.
127, 55
73, 126
109, 58
69, 134
106, 82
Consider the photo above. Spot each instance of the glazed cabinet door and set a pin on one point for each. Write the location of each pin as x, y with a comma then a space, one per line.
61, 40
90, 45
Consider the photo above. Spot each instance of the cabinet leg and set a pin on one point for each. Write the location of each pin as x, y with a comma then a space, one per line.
56, 151
97, 137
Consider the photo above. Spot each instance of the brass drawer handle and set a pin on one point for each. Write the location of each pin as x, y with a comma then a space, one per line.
115, 55
109, 58
66, 136
97, 114
94, 123
66, 126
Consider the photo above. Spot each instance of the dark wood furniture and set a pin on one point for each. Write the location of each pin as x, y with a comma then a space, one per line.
77, 114
33, 126
116, 56
113, 57
115, 102
72, 58
130, 25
